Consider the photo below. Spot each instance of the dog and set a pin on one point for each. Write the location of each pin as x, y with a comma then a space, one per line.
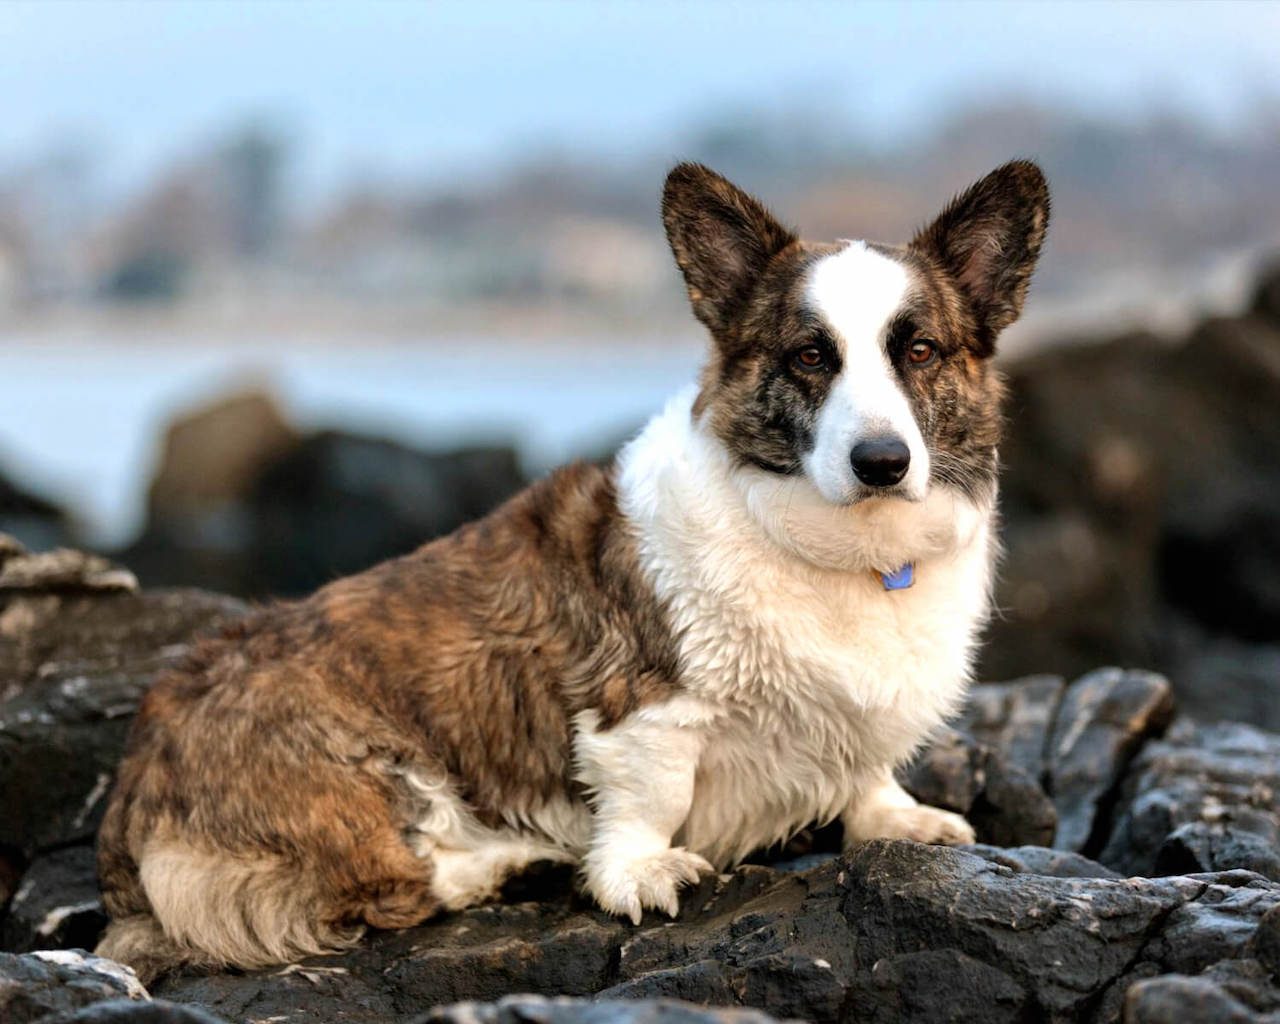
766, 603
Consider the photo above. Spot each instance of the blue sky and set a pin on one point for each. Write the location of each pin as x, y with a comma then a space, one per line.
424, 90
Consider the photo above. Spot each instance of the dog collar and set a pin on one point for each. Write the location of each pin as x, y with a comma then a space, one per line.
900, 578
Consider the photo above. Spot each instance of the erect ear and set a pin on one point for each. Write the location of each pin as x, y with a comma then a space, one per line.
722, 240
988, 239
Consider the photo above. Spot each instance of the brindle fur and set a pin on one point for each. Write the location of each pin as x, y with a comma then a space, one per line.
972, 266
282, 746
287, 734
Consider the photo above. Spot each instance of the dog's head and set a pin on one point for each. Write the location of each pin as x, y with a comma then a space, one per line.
864, 369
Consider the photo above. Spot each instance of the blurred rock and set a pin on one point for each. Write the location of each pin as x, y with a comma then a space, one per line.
1141, 496
31, 519
59, 571
244, 505
212, 455
337, 503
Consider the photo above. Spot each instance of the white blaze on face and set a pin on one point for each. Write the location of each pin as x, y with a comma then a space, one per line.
857, 292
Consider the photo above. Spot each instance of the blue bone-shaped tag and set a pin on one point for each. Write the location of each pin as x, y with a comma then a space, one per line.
900, 578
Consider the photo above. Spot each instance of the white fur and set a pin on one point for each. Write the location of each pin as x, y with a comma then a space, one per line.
471, 861
804, 680
857, 291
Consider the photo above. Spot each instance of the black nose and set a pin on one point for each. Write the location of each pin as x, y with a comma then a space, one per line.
880, 461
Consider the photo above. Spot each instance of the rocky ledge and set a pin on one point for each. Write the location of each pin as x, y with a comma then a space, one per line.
1128, 869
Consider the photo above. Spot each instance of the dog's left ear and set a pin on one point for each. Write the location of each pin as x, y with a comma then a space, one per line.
988, 239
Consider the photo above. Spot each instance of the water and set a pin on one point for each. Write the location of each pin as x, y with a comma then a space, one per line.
81, 422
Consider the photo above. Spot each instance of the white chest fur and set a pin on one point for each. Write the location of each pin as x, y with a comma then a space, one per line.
804, 676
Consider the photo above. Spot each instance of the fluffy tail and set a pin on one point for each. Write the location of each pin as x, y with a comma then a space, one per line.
139, 942
215, 910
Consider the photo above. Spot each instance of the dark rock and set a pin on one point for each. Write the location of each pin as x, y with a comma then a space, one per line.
1154, 513
72, 672
1102, 720
34, 986
1265, 945
1220, 678
1206, 796
283, 515
211, 456
1199, 846
1037, 860
1015, 718
118, 1011
1231, 992
526, 1009
898, 931
56, 905
29, 518
1005, 805
1266, 298
62, 570
338, 503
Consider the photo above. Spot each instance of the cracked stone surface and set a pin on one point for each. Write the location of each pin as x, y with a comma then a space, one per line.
73, 669
1128, 870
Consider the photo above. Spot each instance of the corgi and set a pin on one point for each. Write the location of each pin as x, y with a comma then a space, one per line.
742, 626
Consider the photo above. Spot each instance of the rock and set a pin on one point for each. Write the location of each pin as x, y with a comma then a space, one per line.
338, 503
1015, 718
1055, 942
56, 905
1037, 860
292, 513
1101, 721
522, 1009
115, 1011
1265, 945
10, 546
899, 931
1005, 805
1266, 298
1205, 797
1146, 529
63, 570
73, 669
34, 986
1221, 678
212, 455
29, 518
1232, 992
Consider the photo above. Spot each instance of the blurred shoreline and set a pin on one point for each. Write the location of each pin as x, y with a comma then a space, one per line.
1141, 298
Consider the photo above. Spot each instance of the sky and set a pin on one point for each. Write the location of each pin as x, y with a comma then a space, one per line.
437, 90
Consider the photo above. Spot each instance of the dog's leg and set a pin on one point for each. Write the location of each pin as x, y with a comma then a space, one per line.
884, 810
640, 774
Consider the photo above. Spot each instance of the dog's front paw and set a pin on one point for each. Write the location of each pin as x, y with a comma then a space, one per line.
922, 823
626, 886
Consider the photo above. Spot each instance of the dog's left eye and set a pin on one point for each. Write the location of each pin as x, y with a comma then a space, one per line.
809, 358
922, 351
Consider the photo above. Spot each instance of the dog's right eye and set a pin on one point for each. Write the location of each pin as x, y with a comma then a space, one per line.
809, 359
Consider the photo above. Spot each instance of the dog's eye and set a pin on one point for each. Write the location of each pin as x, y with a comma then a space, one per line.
809, 358
922, 351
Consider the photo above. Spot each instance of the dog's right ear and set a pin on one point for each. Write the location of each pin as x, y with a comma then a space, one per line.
722, 239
